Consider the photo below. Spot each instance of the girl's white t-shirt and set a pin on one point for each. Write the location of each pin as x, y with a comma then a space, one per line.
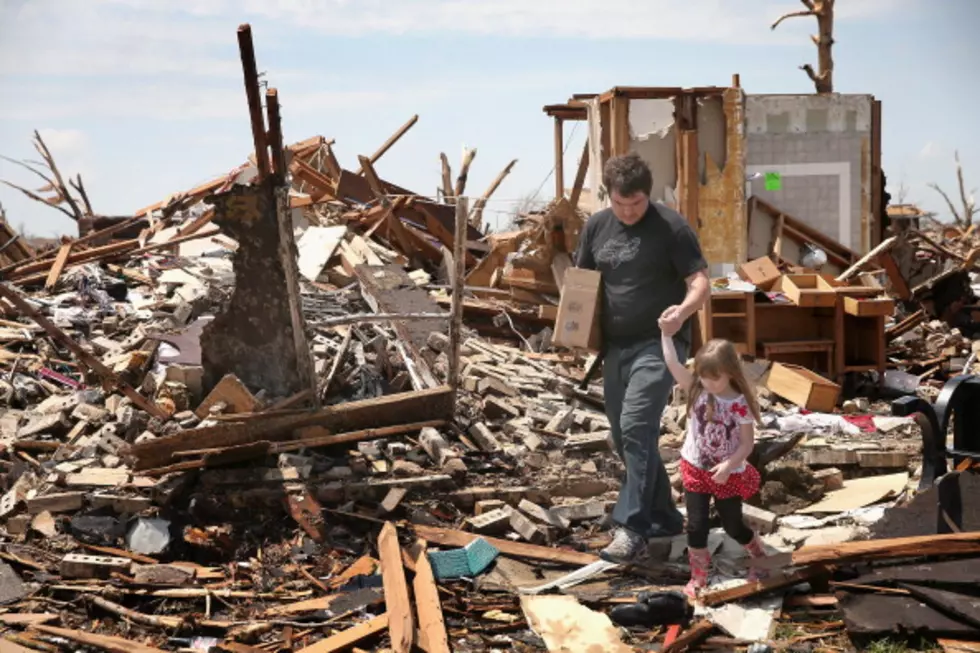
710, 442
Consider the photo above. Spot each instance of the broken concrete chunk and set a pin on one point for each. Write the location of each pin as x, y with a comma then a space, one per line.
58, 404
585, 442
526, 528
576, 512
758, 519
832, 478
392, 499
98, 477
830, 457
495, 409
496, 386
52, 423
438, 341
883, 459
562, 421
120, 504
163, 574
406, 468
543, 515
484, 438
62, 502
90, 413
495, 521
75, 565
435, 445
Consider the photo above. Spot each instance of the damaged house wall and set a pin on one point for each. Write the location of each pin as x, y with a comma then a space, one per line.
653, 136
255, 338
721, 195
821, 146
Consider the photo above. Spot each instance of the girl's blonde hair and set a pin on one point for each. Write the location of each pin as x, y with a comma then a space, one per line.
715, 358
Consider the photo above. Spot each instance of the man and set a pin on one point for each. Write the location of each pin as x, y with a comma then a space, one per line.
652, 267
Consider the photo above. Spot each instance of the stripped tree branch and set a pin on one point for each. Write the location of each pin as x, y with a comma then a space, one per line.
464, 171
792, 14
80, 187
49, 160
447, 178
964, 216
823, 10
38, 198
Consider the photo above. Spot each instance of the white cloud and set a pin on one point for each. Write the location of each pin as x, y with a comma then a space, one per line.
929, 151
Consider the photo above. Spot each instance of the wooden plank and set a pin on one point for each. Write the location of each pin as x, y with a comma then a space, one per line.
59, 265
391, 141
401, 621
432, 626
900, 547
748, 590
458, 281
346, 638
251, 74
388, 410
559, 157
583, 168
450, 537
104, 642
231, 392
690, 637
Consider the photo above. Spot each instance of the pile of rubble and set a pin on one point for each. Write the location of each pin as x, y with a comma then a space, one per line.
235, 421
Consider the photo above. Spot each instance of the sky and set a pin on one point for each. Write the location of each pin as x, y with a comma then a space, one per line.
144, 98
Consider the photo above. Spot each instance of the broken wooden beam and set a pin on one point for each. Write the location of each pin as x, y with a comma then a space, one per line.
401, 621
432, 626
450, 537
900, 547
394, 138
389, 410
458, 281
343, 640
476, 217
251, 74
102, 642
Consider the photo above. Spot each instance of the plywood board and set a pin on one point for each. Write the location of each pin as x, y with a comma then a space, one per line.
316, 246
860, 492
565, 625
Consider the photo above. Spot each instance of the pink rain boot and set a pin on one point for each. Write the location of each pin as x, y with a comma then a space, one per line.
700, 560
756, 552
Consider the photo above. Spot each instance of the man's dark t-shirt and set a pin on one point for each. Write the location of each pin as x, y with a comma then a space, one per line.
643, 266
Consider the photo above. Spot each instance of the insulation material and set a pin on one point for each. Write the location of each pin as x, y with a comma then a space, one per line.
722, 225
653, 135
650, 118
600, 198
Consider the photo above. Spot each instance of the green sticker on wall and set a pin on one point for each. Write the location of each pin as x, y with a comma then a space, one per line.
774, 181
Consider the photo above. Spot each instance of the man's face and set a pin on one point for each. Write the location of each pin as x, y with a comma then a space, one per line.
628, 209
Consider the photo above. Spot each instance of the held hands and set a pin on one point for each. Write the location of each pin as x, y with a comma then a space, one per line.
721, 472
671, 321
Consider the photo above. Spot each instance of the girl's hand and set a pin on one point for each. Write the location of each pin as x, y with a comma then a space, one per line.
721, 472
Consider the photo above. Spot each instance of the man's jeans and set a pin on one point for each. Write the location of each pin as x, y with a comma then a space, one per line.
637, 384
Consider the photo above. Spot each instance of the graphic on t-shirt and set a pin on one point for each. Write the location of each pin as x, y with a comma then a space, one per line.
712, 441
618, 250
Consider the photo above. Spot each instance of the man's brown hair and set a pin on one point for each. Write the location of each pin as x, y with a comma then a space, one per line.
627, 174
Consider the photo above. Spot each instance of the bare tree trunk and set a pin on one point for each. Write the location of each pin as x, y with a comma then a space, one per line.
823, 10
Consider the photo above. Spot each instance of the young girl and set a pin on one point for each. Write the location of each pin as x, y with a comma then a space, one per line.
722, 410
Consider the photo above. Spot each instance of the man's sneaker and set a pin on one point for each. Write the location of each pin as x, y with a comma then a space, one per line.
624, 548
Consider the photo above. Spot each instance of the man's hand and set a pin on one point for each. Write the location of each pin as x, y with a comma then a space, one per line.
721, 472
671, 320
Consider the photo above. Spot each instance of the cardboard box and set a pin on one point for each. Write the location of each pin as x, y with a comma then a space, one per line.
577, 325
803, 387
761, 272
806, 290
